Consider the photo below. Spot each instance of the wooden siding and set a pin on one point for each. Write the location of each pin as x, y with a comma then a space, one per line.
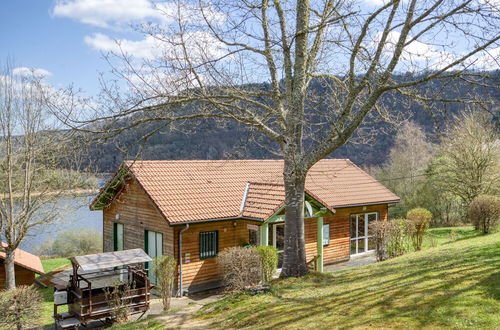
137, 213
196, 271
23, 276
338, 249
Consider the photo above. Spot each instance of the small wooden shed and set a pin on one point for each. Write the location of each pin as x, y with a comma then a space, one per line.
26, 266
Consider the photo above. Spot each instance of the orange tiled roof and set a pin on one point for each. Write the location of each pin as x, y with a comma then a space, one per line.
197, 190
25, 260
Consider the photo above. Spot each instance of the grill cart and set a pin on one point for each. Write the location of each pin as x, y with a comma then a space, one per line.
90, 281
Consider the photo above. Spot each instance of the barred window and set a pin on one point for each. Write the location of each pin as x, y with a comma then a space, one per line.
209, 244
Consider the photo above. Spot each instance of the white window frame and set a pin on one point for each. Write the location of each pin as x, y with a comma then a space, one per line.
365, 237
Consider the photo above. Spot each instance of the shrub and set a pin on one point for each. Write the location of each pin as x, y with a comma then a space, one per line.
269, 261
118, 302
20, 308
484, 212
240, 266
419, 219
77, 242
165, 270
391, 238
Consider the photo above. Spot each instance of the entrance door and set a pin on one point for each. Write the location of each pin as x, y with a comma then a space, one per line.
153, 244
361, 236
277, 239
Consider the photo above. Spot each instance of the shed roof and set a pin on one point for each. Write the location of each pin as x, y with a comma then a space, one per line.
105, 260
25, 260
203, 190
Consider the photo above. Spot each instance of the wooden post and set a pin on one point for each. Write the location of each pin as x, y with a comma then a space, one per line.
320, 243
264, 234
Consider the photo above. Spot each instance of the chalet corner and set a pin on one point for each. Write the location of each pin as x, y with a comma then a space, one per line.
191, 210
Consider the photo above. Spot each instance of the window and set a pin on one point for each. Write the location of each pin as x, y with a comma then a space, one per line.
153, 244
117, 236
326, 234
209, 244
253, 237
361, 235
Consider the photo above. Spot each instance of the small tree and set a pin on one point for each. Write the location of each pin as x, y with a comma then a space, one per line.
469, 158
34, 156
419, 219
20, 308
484, 212
241, 267
269, 260
165, 269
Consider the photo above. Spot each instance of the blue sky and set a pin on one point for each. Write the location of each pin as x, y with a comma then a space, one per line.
66, 37
32, 37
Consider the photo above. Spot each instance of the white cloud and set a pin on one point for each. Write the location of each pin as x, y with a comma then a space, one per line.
200, 45
487, 60
108, 13
27, 72
146, 48
417, 55
103, 13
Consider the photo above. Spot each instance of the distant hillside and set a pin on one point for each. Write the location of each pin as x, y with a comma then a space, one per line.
208, 140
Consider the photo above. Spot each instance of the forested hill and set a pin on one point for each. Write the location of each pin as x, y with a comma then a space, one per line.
208, 140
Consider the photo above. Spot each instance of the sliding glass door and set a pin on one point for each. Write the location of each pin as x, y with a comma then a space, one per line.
361, 236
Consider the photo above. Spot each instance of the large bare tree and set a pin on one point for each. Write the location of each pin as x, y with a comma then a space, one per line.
253, 61
34, 153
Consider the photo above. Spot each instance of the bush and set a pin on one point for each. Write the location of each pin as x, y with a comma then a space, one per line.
240, 266
419, 219
484, 212
77, 242
391, 238
20, 308
165, 270
118, 300
269, 261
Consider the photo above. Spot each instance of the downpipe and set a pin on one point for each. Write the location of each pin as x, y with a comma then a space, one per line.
181, 293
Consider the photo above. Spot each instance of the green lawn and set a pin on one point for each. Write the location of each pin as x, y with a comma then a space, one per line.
444, 235
48, 293
456, 284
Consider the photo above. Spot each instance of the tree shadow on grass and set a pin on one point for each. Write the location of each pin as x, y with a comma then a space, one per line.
429, 292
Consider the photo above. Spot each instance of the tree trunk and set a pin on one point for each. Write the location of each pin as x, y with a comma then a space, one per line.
294, 261
10, 275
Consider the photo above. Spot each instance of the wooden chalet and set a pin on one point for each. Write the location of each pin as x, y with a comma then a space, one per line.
26, 265
191, 210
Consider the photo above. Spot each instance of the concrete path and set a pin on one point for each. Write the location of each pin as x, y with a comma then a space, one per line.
355, 261
181, 311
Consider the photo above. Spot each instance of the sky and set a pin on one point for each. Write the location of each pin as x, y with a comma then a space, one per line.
65, 39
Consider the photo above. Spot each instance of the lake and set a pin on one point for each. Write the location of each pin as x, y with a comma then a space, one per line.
76, 215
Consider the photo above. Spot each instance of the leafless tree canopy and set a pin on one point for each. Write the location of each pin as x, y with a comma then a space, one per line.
32, 148
253, 62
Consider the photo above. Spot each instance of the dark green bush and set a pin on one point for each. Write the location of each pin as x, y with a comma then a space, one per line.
269, 261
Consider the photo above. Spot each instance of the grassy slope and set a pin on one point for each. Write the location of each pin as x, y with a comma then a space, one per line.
452, 285
48, 293
444, 235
